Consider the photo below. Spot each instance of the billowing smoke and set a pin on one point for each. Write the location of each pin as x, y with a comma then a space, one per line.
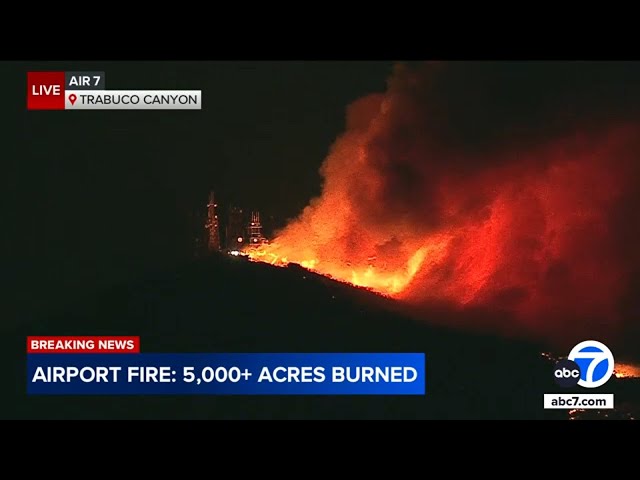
507, 188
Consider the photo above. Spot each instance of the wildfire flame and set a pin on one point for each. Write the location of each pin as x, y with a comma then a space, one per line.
381, 280
527, 229
627, 370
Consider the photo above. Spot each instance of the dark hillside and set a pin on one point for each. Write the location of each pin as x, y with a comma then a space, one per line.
231, 305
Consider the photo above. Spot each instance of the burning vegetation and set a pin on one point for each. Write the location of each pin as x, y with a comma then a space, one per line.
422, 204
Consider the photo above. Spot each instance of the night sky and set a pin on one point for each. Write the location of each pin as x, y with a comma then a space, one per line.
97, 198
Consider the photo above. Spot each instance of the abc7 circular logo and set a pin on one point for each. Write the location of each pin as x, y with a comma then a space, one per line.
589, 365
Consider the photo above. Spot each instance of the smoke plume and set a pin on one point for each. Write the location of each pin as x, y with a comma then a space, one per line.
510, 188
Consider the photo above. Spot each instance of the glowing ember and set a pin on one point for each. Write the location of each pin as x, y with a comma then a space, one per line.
406, 216
627, 370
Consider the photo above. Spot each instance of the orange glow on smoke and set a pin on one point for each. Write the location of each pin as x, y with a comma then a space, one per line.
527, 234
532, 223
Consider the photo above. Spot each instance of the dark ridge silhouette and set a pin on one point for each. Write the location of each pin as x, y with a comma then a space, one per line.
227, 304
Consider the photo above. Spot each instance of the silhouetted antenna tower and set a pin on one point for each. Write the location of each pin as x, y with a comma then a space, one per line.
213, 225
255, 230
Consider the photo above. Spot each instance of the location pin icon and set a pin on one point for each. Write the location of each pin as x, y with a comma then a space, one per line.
73, 98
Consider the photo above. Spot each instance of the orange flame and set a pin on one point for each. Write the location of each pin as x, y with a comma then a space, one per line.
528, 232
381, 280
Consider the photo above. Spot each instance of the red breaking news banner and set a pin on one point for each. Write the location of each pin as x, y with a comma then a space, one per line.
73, 344
45, 90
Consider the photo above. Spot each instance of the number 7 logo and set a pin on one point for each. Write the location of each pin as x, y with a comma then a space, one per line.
595, 361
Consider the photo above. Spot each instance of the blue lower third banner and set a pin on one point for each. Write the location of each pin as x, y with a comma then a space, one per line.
227, 374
